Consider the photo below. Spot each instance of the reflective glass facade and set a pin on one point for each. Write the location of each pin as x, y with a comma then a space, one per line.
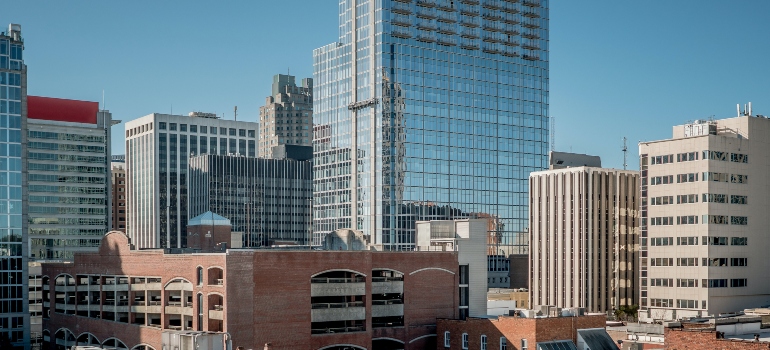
431, 109
13, 261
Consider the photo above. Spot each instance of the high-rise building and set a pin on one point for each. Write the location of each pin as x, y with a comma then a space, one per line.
584, 232
14, 309
287, 116
158, 147
705, 198
267, 200
430, 110
118, 193
68, 176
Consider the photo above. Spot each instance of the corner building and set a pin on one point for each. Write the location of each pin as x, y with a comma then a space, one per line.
430, 110
704, 219
126, 298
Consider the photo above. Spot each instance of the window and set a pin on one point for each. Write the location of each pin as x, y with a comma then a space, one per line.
465, 340
242, 132
715, 177
687, 240
686, 198
714, 240
739, 241
687, 220
200, 276
182, 127
686, 304
739, 179
669, 158
483, 342
204, 129
736, 282
223, 131
687, 157
691, 177
213, 130
739, 158
714, 261
659, 221
738, 262
162, 125
172, 126
446, 339
715, 219
662, 262
738, 199
523, 344
193, 128
715, 155
686, 282
252, 133
662, 302
661, 282
503, 343
661, 241
739, 220
686, 261
662, 200
715, 283
714, 198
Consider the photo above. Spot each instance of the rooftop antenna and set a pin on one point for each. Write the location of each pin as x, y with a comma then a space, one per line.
235, 113
103, 107
625, 154
553, 133
738, 108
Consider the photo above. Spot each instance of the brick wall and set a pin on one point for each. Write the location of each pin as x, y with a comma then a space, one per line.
683, 339
266, 293
514, 329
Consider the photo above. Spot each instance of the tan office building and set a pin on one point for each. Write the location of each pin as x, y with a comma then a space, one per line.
705, 197
287, 116
583, 233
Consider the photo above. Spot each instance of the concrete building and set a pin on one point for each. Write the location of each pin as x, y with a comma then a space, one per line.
158, 148
68, 176
734, 333
704, 217
424, 102
267, 200
524, 331
279, 299
584, 233
14, 313
118, 195
287, 116
467, 237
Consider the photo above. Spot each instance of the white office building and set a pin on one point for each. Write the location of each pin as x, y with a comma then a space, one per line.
158, 147
583, 235
705, 199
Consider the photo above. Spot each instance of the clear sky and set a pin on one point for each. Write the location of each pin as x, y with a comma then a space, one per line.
618, 68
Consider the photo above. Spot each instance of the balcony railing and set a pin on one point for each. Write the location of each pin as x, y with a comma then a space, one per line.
337, 305
509, 18
218, 307
507, 7
469, 44
445, 28
428, 13
338, 279
530, 24
472, 22
426, 37
387, 279
470, 2
531, 14
469, 12
399, 33
448, 17
387, 302
532, 3
401, 8
401, 20
426, 25
336, 330
446, 41
445, 7
531, 57
427, 3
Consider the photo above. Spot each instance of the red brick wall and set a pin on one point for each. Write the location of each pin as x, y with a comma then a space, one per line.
514, 329
681, 339
267, 292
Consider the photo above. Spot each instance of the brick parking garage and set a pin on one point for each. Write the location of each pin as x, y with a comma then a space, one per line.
288, 299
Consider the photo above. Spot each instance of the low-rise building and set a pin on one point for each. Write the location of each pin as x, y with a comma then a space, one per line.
734, 333
524, 331
283, 299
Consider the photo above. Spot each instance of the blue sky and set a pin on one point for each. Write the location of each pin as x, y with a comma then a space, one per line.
618, 68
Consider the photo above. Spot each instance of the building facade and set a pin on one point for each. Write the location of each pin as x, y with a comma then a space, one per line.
68, 176
279, 299
704, 212
546, 332
287, 116
118, 195
267, 200
430, 110
158, 148
14, 312
584, 232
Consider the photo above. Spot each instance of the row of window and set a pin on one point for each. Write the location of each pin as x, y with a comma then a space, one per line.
483, 342
680, 303
707, 262
709, 155
669, 282
693, 219
204, 129
693, 177
707, 240
722, 283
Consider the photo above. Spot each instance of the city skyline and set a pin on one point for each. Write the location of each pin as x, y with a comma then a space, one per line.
673, 71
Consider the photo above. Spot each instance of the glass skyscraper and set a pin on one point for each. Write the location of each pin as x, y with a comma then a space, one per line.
14, 315
431, 109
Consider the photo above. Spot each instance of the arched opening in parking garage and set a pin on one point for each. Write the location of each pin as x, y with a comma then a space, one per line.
88, 339
342, 347
216, 276
387, 344
387, 298
179, 304
114, 344
64, 339
338, 301
216, 312
142, 347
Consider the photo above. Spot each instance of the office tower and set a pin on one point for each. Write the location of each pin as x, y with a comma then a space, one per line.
704, 219
584, 229
430, 110
68, 176
287, 116
267, 200
158, 147
118, 193
14, 311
